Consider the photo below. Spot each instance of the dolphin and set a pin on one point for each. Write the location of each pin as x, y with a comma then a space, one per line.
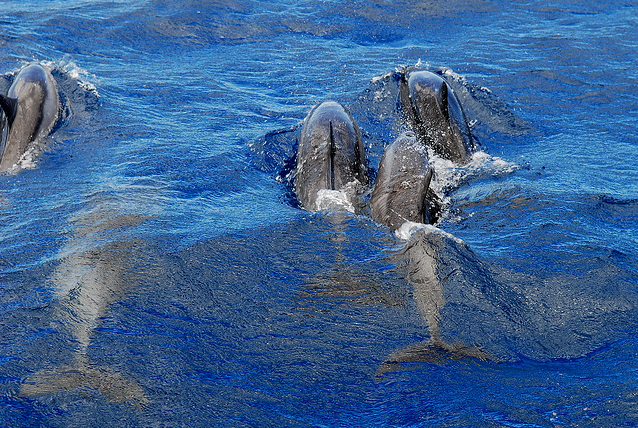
31, 108
404, 176
433, 111
85, 283
428, 256
330, 157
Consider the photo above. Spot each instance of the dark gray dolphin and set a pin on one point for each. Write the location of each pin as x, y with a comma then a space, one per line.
31, 108
435, 114
404, 176
330, 156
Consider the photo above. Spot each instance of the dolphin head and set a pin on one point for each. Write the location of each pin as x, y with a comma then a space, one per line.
31, 108
435, 114
330, 156
403, 179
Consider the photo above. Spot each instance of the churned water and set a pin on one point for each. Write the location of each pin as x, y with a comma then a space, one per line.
156, 269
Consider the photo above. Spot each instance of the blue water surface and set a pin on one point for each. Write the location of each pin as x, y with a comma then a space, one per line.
156, 269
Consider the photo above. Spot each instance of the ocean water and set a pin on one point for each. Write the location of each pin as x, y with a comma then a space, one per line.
156, 269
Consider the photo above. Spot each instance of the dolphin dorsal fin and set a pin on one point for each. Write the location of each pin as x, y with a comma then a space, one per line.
9, 107
428, 178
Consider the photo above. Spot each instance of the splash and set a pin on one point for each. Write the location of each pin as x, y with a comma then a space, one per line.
74, 72
449, 176
409, 228
30, 157
381, 77
333, 200
451, 74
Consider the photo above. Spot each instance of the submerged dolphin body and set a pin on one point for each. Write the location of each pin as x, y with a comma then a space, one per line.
30, 108
402, 184
85, 283
428, 257
330, 157
433, 111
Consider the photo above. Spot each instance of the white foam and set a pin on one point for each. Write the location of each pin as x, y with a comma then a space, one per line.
333, 200
29, 158
450, 175
448, 72
409, 228
75, 72
486, 163
381, 77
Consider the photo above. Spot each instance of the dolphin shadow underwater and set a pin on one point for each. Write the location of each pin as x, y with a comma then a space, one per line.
30, 110
423, 257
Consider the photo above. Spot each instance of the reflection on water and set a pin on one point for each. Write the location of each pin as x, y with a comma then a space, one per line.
343, 280
343, 283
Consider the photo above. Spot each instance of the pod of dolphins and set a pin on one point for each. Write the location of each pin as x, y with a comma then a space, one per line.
331, 161
331, 156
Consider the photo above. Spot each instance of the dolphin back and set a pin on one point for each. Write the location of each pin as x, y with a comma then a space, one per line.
330, 155
435, 114
36, 108
404, 176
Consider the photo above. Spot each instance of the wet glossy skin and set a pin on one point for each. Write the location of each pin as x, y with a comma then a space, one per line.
331, 154
402, 183
433, 111
37, 111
